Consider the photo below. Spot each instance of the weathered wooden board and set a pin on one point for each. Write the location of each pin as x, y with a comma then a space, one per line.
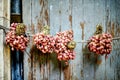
1, 44
55, 12
112, 64
99, 18
4, 49
82, 16
1, 56
78, 28
27, 56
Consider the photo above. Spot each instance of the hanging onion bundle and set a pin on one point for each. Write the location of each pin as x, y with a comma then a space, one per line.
101, 44
18, 42
44, 43
61, 41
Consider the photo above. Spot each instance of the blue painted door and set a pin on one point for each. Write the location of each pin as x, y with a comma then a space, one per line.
17, 65
16, 55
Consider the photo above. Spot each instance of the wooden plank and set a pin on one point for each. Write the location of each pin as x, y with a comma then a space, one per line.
27, 56
1, 56
116, 46
7, 68
6, 13
99, 18
111, 22
89, 29
4, 58
114, 29
6, 23
16, 55
78, 28
65, 16
1, 44
117, 8
54, 16
17, 65
55, 67
40, 18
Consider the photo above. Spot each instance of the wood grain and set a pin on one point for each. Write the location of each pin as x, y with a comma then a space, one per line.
5, 50
82, 16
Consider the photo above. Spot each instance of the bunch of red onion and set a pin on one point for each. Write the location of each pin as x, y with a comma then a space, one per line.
17, 42
44, 43
57, 44
61, 41
101, 44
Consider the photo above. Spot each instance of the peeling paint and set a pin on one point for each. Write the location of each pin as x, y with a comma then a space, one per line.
70, 19
6, 15
32, 28
82, 27
99, 62
46, 16
41, 2
113, 29
39, 25
30, 76
67, 73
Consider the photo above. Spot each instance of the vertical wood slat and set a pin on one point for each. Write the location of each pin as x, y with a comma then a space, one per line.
111, 22
117, 7
88, 31
6, 23
1, 44
77, 20
99, 18
65, 17
54, 7
1, 56
112, 64
17, 65
16, 55
5, 51
27, 21
40, 18
107, 9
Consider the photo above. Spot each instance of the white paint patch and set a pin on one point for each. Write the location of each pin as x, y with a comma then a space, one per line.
51, 7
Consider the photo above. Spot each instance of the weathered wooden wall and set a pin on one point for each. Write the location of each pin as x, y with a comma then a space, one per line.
4, 49
82, 16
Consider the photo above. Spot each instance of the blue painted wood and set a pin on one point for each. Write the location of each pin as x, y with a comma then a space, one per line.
16, 55
16, 7
17, 65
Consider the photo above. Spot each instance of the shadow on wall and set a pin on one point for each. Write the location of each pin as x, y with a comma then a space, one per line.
46, 58
91, 58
